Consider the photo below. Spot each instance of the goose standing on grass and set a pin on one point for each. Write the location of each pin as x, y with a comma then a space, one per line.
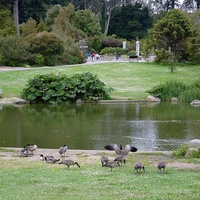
139, 166
162, 166
111, 164
119, 150
31, 147
69, 163
104, 160
120, 159
62, 150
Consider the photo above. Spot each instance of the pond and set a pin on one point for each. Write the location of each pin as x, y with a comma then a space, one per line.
148, 126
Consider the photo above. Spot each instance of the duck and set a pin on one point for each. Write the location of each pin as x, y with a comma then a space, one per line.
161, 166
111, 164
120, 159
138, 166
62, 150
119, 150
31, 147
69, 163
104, 160
51, 160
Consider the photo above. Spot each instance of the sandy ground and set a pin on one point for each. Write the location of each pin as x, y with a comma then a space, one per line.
90, 156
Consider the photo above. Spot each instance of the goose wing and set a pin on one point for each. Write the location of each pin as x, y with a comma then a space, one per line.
130, 148
112, 147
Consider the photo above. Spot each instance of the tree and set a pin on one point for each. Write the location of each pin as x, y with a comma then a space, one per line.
7, 26
130, 21
16, 14
173, 31
87, 22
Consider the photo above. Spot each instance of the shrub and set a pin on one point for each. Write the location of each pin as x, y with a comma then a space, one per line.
113, 51
39, 60
48, 45
192, 93
181, 151
14, 51
162, 56
111, 42
167, 90
52, 89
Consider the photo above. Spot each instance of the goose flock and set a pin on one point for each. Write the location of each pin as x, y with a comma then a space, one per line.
120, 159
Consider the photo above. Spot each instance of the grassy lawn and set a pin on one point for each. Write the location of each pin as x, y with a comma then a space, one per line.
129, 80
34, 179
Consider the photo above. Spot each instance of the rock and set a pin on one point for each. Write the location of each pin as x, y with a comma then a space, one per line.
194, 143
16, 100
195, 103
174, 99
152, 98
194, 146
79, 101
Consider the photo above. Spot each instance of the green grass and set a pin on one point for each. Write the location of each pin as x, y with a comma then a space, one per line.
129, 80
22, 179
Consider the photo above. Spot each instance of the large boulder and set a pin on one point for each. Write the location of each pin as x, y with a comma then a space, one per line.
194, 147
16, 100
151, 98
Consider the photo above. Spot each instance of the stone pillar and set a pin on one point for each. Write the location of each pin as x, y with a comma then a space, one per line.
137, 48
124, 45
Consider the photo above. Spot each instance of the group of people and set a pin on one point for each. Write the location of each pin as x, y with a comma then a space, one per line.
93, 56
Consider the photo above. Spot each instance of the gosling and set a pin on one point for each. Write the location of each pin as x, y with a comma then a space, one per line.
120, 159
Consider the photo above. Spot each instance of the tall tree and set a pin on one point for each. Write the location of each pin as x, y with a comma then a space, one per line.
130, 21
16, 14
172, 31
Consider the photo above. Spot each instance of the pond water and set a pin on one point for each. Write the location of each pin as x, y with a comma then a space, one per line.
148, 126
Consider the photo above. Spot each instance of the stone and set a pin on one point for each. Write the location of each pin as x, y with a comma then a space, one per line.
16, 100
79, 101
152, 98
195, 103
174, 99
194, 143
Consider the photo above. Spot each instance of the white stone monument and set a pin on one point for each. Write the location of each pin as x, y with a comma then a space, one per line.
124, 45
137, 48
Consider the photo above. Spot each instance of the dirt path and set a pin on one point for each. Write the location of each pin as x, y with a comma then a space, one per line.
90, 156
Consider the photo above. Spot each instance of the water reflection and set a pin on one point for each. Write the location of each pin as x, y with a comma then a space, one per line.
149, 127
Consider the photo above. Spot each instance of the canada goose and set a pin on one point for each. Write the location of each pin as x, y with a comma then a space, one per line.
25, 153
62, 150
69, 163
31, 147
162, 166
42, 157
121, 159
51, 160
111, 164
119, 150
138, 166
104, 160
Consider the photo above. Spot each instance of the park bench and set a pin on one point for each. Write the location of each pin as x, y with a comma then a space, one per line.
133, 58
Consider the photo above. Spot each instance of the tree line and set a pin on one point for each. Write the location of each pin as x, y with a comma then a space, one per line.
51, 32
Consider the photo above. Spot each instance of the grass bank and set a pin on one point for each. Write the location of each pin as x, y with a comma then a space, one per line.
129, 80
31, 178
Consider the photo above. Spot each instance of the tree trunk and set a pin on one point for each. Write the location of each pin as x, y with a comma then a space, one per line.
109, 11
16, 14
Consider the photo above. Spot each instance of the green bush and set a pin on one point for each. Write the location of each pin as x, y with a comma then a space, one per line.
181, 151
113, 51
162, 56
14, 51
192, 93
167, 90
48, 45
39, 60
52, 89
